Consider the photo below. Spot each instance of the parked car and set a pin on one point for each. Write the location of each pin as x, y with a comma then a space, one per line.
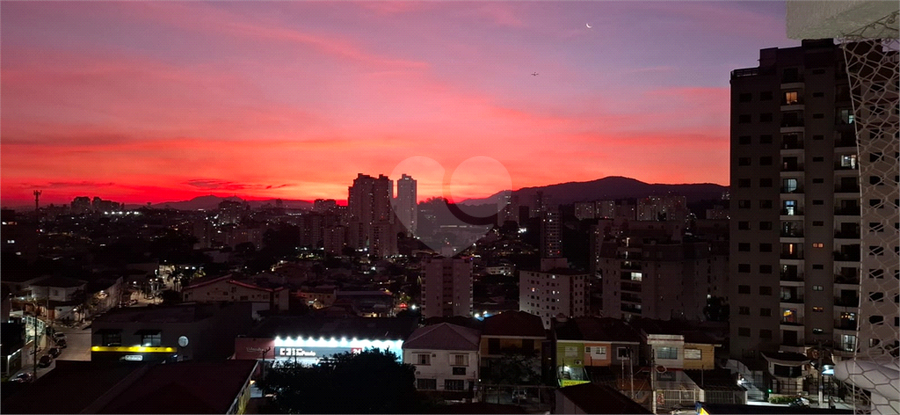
57, 336
61, 343
45, 361
799, 402
22, 377
54, 352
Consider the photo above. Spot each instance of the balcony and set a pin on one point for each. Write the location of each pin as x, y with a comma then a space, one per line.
793, 322
846, 279
796, 299
792, 144
795, 190
845, 324
629, 255
846, 301
845, 188
627, 286
792, 255
846, 256
840, 166
631, 265
847, 210
791, 233
793, 212
740, 73
846, 234
631, 298
792, 167
791, 276
792, 123
845, 141
628, 308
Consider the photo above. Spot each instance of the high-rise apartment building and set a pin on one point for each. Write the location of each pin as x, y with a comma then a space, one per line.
447, 287
795, 213
554, 291
551, 242
405, 204
369, 204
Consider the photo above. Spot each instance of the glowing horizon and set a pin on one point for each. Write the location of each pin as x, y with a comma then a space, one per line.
141, 102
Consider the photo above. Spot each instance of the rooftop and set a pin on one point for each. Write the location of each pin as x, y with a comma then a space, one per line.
379, 328
592, 398
514, 323
444, 336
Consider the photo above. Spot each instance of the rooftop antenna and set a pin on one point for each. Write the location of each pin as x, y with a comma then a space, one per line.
37, 197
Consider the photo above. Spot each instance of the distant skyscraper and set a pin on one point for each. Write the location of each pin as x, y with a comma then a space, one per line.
551, 243
405, 205
369, 204
447, 287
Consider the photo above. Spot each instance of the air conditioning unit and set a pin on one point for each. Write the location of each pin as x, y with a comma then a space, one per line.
579, 362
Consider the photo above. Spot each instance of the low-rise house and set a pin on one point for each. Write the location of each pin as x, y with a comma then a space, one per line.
446, 358
514, 332
583, 343
227, 288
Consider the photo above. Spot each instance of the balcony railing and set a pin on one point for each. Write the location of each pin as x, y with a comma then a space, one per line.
792, 167
794, 322
846, 235
792, 122
841, 188
631, 298
846, 302
791, 79
839, 166
628, 308
794, 190
792, 233
792, 299
846, 279
792, 255
791, 276
631, 265
844, 324
795, 212
798, 101
847, 210
846, 256
792, 145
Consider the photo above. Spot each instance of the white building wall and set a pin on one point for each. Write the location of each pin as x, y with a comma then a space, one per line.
441, 364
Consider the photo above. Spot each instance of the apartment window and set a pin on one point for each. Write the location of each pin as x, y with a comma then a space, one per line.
423, 359
765, 139
765, 161
765, 312
743, 161
744, 119
666, 353
459, 371
765, 226
817, 288
765, 290
623, 353
744, 311
743, 204
745, 97
765, 204
765, 247
743, 289
818, 245
743, 182
744, 140
765, 334
454, 385
818, 331
426, 384
791, 98
744, 225
459, 360
743, 268
743, 247
789, 185
744, 331
818, 309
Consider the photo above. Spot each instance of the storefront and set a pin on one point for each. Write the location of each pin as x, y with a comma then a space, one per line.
308, 350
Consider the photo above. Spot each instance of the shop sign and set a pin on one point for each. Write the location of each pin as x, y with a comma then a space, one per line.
294, 351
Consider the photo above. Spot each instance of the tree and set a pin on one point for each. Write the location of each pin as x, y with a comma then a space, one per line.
515, 367
170, 297
368, 382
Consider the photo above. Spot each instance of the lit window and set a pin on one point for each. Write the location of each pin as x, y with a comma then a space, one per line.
423, 359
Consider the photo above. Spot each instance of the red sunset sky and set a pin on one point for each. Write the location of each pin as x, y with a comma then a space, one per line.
159, 101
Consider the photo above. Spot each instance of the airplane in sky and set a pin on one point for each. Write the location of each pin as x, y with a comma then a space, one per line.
534, 74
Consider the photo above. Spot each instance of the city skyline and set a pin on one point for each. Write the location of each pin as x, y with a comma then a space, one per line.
153, 102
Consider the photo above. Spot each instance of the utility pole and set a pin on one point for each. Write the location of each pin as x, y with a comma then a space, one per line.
820, 352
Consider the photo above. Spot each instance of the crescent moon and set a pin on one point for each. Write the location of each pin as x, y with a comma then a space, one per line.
588, 25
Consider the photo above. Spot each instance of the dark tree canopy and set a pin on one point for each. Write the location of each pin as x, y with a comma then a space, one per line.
364, 383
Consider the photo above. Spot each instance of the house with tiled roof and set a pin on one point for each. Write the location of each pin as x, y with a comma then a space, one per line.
446, 358
513, 332
582, 343
229, 288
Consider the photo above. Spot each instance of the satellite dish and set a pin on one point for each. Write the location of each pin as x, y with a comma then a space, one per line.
183, 341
